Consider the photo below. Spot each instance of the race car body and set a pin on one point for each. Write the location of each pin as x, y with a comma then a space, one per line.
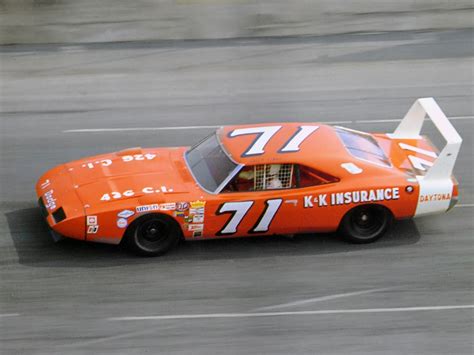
261, 179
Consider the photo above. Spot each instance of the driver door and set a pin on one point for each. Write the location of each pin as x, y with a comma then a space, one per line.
259, 200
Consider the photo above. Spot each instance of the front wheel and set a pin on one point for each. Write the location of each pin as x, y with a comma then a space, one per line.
152, 235
365, 224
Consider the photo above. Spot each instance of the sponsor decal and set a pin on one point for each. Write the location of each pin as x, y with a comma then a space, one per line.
197, 234
188, 219
125, 214
179, 214
197, 204
196, 227
197, 207
92, 229
182, 206
170, 206
199, 218
148, 208
91, 220
50, 200
345, 198
122, 223
320, 200
435, 197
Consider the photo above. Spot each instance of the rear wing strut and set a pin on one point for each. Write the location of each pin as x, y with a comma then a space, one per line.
410, 128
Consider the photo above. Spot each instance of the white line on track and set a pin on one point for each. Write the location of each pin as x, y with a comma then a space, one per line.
461, 117
294, 313
320, 299
377, 121
398, 120
337, 122
82, 343
9, 315
465, 205
176, 128
92, 130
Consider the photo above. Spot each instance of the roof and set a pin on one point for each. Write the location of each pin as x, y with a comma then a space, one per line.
311, 144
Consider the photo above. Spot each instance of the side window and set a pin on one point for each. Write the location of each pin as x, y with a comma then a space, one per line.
306, 177
263, 177
277, 176
273, 176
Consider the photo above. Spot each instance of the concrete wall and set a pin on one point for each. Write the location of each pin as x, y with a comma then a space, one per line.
81, 21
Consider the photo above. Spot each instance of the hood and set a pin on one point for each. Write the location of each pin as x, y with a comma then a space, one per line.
130, 173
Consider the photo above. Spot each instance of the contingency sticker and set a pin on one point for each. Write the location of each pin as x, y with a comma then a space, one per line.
147, 208
125, 214
170, 206
182, 206
196, 227
92, 229
122, 223
198, 218
91, 220
197, 207
179, 214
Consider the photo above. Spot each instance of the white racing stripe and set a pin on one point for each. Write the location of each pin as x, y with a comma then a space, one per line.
294, 313
177, 128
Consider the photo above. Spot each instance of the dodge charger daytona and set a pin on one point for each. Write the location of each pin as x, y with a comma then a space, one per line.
259, 179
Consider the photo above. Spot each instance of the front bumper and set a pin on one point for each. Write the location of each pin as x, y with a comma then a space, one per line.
60, 204
44, 211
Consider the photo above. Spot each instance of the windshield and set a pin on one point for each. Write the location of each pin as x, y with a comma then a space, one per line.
209, 164
363, 146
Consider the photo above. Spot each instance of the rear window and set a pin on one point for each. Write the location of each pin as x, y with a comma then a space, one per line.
363, 146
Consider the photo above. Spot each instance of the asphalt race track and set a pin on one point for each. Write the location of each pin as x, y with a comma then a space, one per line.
411, 292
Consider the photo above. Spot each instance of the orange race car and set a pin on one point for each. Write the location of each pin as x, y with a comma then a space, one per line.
262, 179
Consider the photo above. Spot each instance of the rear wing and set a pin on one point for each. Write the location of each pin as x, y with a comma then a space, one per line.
410, 128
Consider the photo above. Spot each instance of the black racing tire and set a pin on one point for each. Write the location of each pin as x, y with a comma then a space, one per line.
365, 224
152, 235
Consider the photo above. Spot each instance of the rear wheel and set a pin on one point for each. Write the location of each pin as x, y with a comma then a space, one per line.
365, 224
153, 235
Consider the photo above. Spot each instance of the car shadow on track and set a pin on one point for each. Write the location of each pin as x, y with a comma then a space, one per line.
35, 246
